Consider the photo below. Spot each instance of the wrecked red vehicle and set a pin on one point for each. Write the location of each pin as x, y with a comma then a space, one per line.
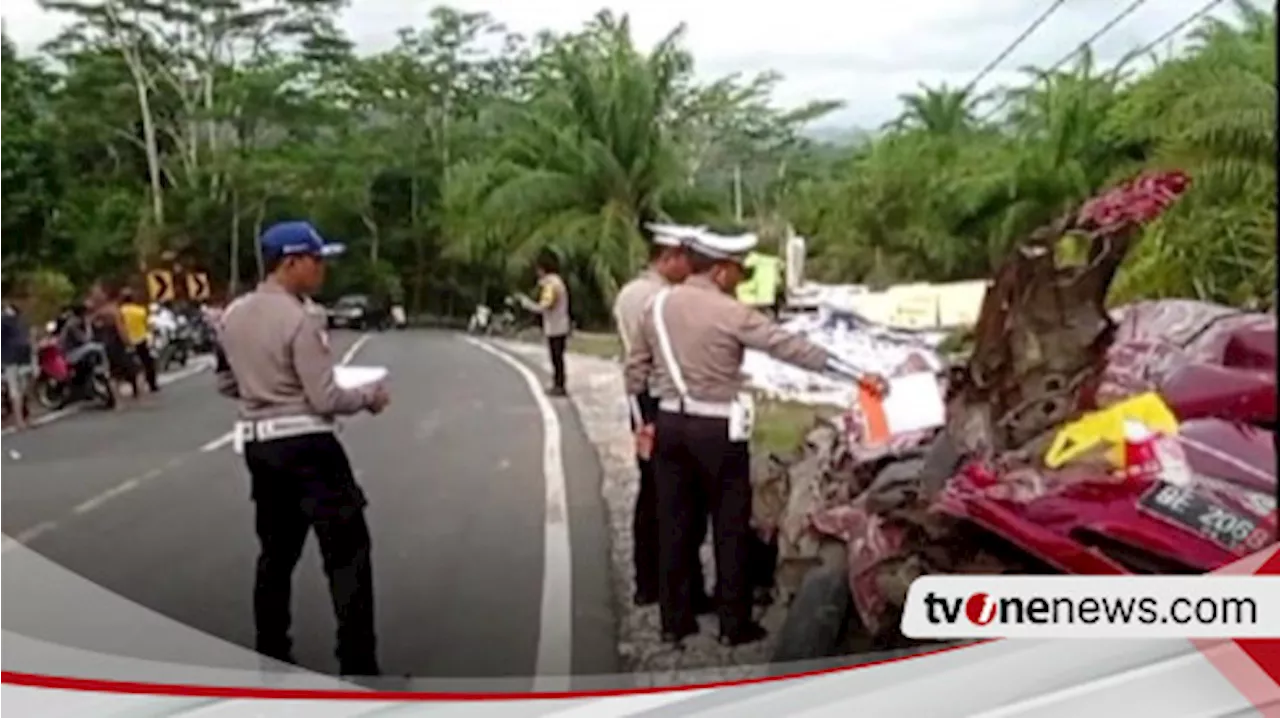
976, 497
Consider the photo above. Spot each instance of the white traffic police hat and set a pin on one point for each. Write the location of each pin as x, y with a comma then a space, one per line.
719, 246
672, 235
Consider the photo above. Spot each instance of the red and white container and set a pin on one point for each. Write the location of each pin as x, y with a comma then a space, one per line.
1141, 456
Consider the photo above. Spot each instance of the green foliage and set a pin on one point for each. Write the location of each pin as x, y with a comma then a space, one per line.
941, 195
44, 293
448, 161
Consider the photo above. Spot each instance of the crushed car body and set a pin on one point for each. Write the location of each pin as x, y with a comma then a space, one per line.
977, 495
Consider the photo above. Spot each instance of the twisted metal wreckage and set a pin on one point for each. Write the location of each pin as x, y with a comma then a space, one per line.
857, 523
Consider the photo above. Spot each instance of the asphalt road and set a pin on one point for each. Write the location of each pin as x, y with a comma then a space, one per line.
150, 504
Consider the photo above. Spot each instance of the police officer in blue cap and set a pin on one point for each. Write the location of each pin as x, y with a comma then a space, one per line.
279, 367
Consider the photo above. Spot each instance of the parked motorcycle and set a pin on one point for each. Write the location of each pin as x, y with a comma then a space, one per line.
172, 346
59, 383
173, 338
480, 318
201, 330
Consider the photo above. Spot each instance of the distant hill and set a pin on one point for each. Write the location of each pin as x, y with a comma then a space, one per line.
837, 135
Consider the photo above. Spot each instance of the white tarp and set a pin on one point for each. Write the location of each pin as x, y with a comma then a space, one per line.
867, 345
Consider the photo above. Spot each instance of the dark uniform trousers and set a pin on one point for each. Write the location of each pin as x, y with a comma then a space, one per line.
303, 484
646, 546
694, 458
556, 347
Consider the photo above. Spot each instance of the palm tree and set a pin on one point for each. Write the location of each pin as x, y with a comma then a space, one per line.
942, 110
590, 159
1211, 112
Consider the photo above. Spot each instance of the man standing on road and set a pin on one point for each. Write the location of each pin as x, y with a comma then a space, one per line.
691, 343
280, 368
553, 305
136, 321
17, 362
668, 265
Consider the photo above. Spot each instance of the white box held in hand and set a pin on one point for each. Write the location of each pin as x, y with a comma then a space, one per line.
351, 377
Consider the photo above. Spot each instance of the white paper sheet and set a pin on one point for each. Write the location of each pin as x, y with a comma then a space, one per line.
350, 377
914, 403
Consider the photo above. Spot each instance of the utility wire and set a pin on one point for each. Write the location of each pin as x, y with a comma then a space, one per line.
1035, 25
1204, 10
1133, 6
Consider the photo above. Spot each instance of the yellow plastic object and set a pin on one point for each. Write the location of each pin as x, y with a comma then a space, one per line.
1107, 425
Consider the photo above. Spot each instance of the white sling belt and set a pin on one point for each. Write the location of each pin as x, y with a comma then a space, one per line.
740, 412
283, 427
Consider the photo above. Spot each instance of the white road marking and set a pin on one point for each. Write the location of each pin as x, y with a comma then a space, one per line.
106, 496
201, 364
226, 439
30, 534
125, 487
555, 627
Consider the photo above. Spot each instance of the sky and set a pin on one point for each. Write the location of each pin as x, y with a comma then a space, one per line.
863, 53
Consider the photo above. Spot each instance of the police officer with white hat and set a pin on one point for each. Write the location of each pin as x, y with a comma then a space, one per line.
668, 266
689, 347
279, 366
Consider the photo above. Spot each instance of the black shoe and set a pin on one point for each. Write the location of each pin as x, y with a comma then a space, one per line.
750, 633
359, 668
381, 683
557, 391
704, 606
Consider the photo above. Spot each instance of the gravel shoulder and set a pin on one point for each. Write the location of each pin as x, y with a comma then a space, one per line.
596, 390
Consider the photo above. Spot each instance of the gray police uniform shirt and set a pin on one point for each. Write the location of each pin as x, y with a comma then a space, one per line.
278, 358
709, 331
632, 302
555, 318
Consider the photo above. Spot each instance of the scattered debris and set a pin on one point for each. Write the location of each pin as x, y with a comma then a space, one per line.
1046, 350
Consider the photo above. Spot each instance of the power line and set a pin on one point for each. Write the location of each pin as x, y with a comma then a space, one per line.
1204, 10
1035, 25
1133, 6
1129, 10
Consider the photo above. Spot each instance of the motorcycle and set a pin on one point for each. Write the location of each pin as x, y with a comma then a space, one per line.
479, 322
172, 346
203, 336
399, 319
59, 383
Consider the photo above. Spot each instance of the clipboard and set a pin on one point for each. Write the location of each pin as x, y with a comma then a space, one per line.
914, 402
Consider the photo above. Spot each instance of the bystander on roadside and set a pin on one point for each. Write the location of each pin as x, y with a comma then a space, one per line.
17, 361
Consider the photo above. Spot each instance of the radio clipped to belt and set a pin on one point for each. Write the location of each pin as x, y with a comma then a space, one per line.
741, 411
742, 417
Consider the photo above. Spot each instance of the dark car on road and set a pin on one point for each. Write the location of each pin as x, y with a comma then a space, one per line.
359, 311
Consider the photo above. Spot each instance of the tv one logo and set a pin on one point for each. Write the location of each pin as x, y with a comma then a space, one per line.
980, 609
983, 610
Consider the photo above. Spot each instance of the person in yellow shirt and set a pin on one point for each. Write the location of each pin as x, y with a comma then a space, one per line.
139, 335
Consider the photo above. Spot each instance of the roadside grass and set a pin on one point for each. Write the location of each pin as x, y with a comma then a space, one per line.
596, 344
781, 426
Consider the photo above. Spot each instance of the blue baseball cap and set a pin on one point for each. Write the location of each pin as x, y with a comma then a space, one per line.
297, 238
